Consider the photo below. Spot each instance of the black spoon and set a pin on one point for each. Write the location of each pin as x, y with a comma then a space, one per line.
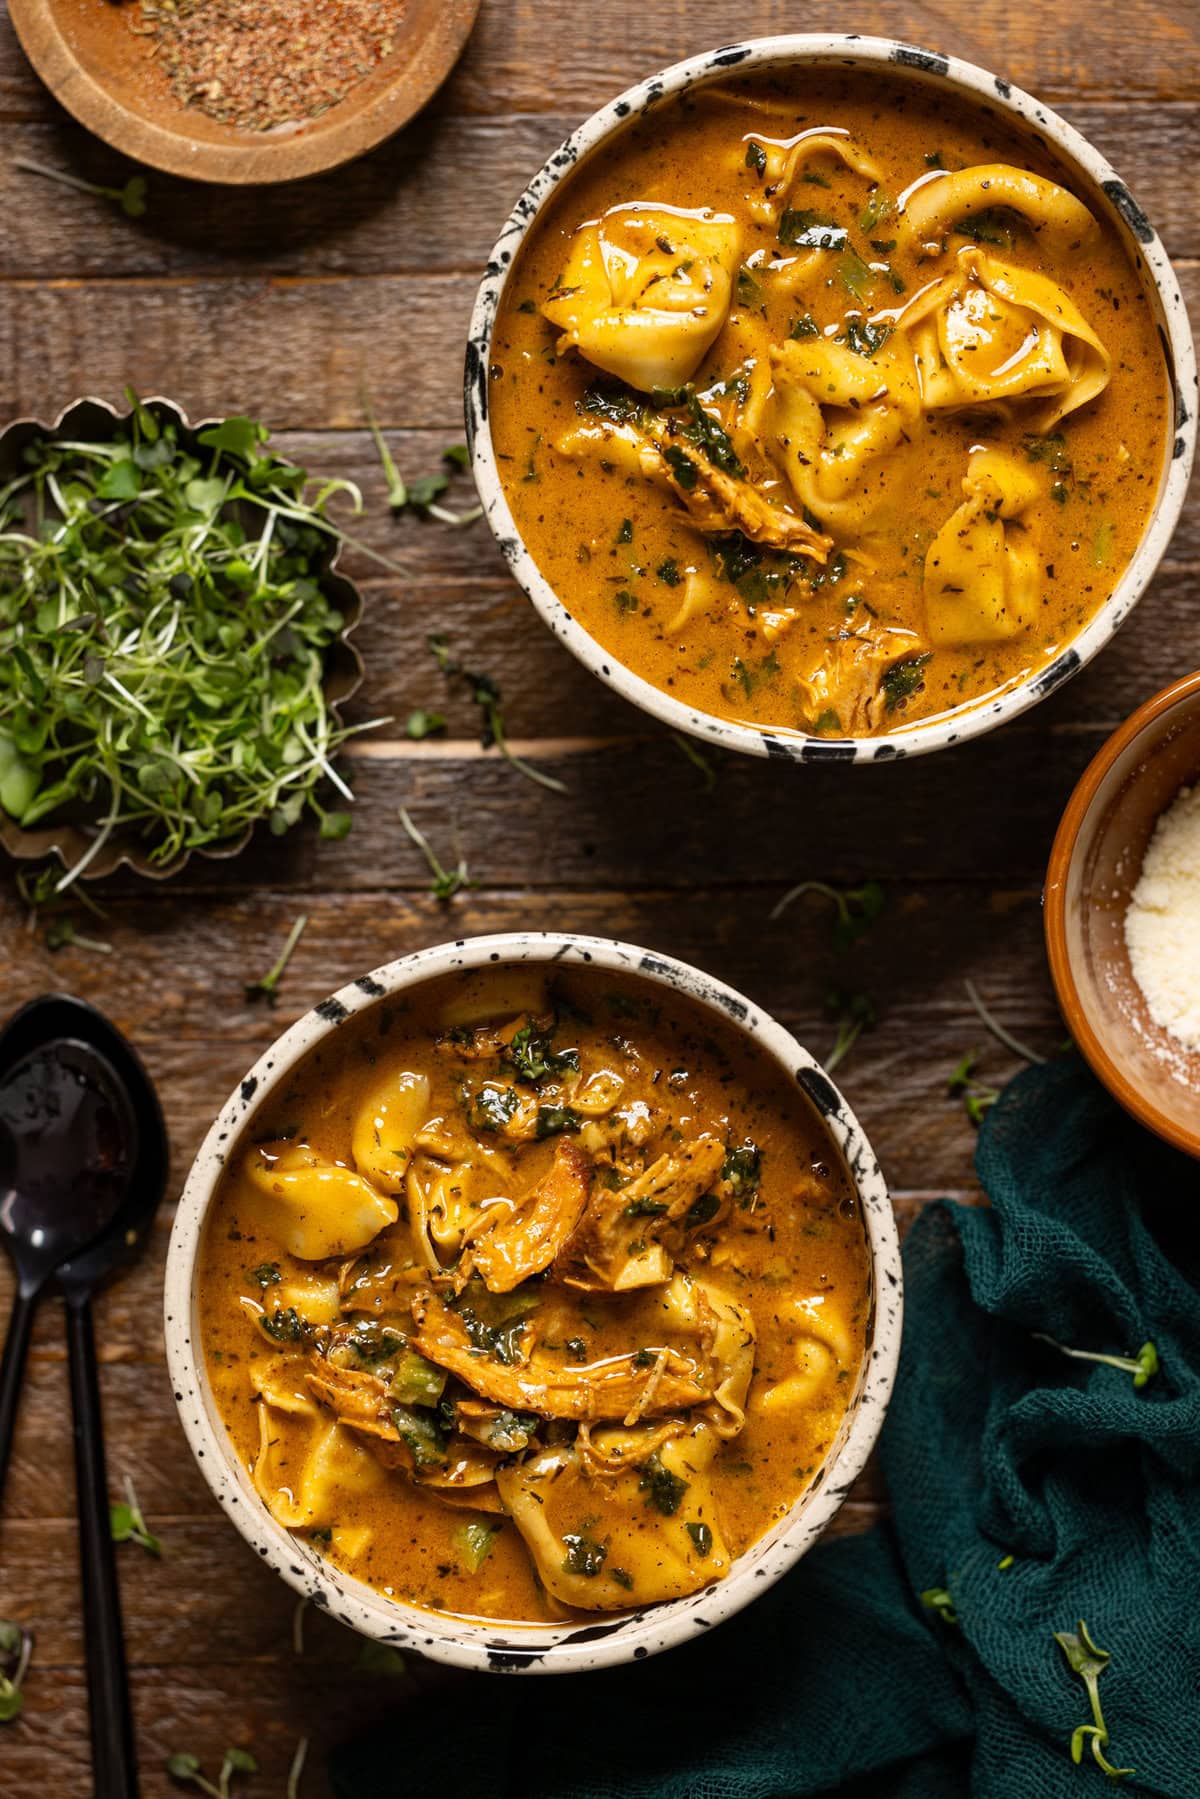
83, 1164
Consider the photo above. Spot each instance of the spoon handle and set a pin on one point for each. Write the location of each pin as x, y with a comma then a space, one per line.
114, 1762
11, 1369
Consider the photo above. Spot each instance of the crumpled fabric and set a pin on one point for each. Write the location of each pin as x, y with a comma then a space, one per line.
839, 1683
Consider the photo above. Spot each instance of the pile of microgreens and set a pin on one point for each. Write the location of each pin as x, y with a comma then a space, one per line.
163, 635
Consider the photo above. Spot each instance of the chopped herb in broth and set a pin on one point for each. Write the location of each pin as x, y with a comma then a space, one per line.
505, 1311
769, 314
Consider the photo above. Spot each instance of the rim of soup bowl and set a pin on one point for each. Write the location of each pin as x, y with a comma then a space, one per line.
502, 1646
1142, 243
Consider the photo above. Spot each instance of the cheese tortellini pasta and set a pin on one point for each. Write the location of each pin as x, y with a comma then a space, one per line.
988, 334
983, 572
316, 1208
645, 292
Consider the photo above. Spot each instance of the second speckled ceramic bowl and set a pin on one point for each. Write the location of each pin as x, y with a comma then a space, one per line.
1096, 182
521, 1648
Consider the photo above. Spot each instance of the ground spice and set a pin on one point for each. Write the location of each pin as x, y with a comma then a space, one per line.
260, 64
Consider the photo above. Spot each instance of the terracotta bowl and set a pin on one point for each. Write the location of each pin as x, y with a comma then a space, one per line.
102, 71
492, 1646
1094, 867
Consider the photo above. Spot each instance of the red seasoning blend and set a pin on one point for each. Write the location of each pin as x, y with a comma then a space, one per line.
263, 64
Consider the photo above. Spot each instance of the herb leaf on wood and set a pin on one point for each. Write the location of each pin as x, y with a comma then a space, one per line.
267, 987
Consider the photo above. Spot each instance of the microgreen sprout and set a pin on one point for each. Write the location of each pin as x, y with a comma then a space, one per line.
855, 1013
164, 629
61, 934
855, 908
422, 494
397, 492
267, 987
131, 198
298, 1616
381, 1658
1143, 1366
421, 724
698, 760
38, 889
16, 1651
976, 1096
187, 1768
486, 694
296, 1769
446, 882
997, 1029
127, 1523
939, 1600
1084, 1659
1005, 1563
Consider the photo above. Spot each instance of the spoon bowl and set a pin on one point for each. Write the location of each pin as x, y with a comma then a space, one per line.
67, 1139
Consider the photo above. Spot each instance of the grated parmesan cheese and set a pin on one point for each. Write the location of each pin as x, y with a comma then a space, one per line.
1162, 925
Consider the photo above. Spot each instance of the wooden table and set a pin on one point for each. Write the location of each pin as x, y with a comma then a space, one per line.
281, 304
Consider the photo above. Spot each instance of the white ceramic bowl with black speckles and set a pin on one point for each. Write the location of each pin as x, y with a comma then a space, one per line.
517, 1648
1098, 184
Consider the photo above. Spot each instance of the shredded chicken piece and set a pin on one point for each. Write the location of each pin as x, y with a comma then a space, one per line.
716, 501
845, 682
495, 1426
360, 1401
618, 1245
719, 502
481, 1045
470, 1499
523, 1242
607, 1389
619, 1454
649, 1392
468, 1467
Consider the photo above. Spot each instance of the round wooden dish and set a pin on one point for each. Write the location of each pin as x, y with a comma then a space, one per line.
103, 72
1094, 867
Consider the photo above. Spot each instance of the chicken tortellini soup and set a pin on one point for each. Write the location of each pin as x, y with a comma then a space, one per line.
825, 405
535, 1297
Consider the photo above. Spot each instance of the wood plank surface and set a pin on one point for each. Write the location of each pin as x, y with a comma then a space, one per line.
289, 303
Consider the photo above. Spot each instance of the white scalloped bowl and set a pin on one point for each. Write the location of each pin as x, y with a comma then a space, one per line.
1104, 191
511, 1647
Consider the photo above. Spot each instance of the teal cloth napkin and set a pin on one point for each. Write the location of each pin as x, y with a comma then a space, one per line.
840, 1681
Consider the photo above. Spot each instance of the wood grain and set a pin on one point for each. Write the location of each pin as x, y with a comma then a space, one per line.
387, 213
285, 303
404, 338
